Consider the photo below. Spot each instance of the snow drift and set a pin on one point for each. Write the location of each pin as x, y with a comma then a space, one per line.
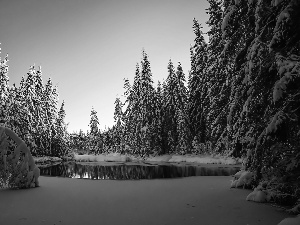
17, 168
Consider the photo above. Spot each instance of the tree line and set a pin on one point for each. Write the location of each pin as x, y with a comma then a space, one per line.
31, 110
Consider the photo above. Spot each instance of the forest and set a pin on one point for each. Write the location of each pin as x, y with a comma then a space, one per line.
241, 98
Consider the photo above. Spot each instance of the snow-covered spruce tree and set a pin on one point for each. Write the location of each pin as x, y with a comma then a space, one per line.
131, 113
94, 134
17, 116
27, 129
169, 108
141, 116
61, 139
79, 142
119, 144
4, 87
39, 115
219, 85
158, 145
50, 106
197, 85
174, 106
183, 145
183, 123
265, 96
149, 123
238, 33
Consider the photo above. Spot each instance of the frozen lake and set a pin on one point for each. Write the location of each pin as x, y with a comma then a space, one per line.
135, 170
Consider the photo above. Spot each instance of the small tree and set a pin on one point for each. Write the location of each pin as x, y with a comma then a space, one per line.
94, 135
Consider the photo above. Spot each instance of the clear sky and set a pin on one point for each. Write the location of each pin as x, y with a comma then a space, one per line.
88, 47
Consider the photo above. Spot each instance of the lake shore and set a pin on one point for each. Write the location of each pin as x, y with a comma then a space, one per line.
191, 200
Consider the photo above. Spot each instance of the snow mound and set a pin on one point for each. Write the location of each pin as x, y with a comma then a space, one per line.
242, 179
46, 159
114, 157
211, 160
257, 196
17, 168
194, 159
161, 158
290, 221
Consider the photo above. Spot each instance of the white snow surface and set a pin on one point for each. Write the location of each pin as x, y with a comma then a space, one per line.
113, 157
116, 157
257, 196
290, 221
242, 178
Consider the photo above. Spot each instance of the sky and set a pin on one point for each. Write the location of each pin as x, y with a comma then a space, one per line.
88, 47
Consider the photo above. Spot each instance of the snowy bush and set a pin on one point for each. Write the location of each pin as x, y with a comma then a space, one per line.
17, 168
242, 179
257, 196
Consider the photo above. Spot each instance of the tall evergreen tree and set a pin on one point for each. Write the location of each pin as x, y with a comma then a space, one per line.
169, 107
61, 145
197, 85
141, 116
94, 134
94, 122
4, 88
174, 105
118, 127
50, 106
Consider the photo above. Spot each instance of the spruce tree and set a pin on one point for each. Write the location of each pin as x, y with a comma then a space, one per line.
169, 107
61, 139
94, 132
118, 127
50, 106
141, 116
4, 87
197, 85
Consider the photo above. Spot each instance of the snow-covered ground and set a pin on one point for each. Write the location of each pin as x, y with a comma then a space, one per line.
192, 200
203, 159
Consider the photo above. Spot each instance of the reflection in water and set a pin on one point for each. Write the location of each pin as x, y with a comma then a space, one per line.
137, 171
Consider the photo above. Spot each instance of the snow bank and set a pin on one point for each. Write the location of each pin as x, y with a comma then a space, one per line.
46, 159
258, 196
18, 167
115, 157
242, 179
194, 159
161, 158
290, 221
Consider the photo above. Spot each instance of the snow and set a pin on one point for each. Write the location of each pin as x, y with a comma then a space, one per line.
277, 119
116, 157
227, 17
195, 159
277, 2
193, 200
237, 2
242, 179
290, 221
23, 167
45, 159
257, 196
161, 158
